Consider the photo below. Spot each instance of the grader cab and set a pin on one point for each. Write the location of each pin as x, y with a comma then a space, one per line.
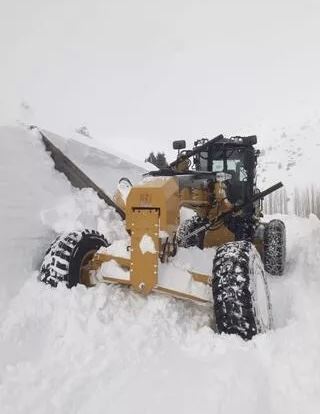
217, 181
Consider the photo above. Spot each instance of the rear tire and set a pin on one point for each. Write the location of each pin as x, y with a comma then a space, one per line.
240, 291
275, 247
66, 255
187, 227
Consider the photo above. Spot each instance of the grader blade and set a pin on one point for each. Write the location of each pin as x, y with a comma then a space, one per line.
73, 173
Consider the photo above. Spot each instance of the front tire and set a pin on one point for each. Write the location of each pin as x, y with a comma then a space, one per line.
66, 256
240, 291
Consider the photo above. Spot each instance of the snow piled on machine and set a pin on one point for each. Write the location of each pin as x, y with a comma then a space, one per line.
107, 349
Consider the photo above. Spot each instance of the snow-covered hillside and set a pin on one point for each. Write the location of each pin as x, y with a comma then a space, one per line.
290, 154
106, 349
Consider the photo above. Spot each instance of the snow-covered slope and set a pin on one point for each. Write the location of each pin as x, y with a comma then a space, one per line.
290, 154
106, 349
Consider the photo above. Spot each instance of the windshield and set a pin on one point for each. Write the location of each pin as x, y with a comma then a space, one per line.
230, 161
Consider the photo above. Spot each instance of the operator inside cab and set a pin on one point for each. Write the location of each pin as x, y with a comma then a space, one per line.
234, 158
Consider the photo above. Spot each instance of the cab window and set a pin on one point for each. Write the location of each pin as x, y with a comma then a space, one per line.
217, 165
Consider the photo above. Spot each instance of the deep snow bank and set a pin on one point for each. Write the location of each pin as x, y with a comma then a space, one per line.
28, 184
107, 349
35, 202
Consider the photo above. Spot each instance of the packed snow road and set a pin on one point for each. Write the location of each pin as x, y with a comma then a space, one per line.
106, 349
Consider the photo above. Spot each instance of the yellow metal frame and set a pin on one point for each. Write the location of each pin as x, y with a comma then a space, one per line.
152, 213
125, 263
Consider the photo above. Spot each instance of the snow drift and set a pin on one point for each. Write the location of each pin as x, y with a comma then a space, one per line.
106, 349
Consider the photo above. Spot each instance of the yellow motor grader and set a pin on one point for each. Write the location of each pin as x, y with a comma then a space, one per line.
216, 180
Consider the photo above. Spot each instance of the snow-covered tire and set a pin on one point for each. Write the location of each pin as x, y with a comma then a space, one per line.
240, 291
186, 228
67, 254
275, 247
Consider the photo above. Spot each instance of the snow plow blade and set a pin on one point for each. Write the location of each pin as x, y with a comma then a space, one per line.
73, 173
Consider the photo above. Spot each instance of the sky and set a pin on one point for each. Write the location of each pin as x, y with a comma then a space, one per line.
141, 73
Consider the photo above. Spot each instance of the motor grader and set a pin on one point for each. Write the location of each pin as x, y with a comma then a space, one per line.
216, 180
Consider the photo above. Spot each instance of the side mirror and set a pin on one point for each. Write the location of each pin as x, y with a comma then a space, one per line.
179, 145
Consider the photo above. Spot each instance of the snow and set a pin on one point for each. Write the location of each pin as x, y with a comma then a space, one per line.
175, 275
28, 185
36, 203
289, 154
107, 349
124, 189
112, 269
83, 209
119, 248
163, 234
146, 244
